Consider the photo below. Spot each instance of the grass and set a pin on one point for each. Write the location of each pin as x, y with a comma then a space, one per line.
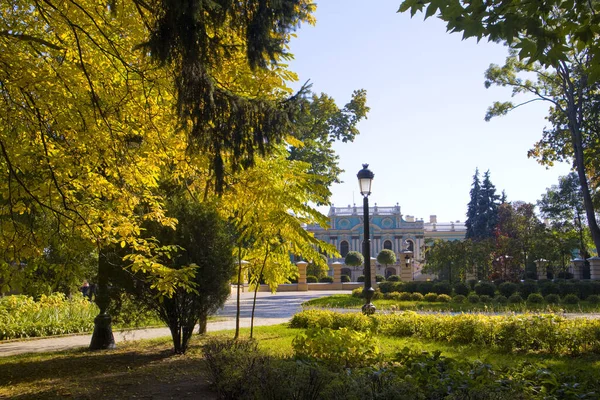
348, 301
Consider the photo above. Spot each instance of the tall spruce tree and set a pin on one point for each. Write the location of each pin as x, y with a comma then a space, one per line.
473, 206
487, 213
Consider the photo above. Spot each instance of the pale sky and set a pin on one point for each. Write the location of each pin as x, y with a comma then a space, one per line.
425, 134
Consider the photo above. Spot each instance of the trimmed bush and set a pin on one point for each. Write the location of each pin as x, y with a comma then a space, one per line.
472, 283
486, 288
527, 287
405, 296
548, 287
507, 289
593, 299
552, 298
442, 288
357, 292
515, 299
570, 299
459, 298
462, 288
566, 288
392, 296
326, 279
345, 278
484, 298
311, 279
473, 299
500, 299
379, 278
430, 297
361, 278
389, 287
535, 298
444, 298
425, 287
416, 296
393, 278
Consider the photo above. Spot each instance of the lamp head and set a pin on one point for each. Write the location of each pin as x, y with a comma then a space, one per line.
365, 177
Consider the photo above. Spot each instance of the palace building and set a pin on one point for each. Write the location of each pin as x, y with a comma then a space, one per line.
389, 229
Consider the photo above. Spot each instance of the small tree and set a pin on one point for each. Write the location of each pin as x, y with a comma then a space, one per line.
354, 259
386, 257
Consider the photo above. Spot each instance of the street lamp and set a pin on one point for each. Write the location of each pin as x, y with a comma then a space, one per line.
365, 178
408, 256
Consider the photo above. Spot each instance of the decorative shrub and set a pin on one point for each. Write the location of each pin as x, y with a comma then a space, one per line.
389, 287
484, 298
462, 288
393, 278
570, 299
473, 299
416, 297
444, 298
442, 288
345, 278
430, 297
552, 298
507, 289
379, 278
392, 296
357, 292
593, 299
515, 299
548, 287
564, 275
486, 288
535, 298
405, 296
410, 286
459, 298
500, 299
472, 283
326, 279
566, 287
311, 279
425, 287
527, 287
361, 278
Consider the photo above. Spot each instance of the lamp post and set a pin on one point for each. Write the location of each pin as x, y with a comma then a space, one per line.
408, 257
365, 178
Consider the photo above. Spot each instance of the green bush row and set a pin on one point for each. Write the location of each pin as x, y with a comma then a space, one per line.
529, 333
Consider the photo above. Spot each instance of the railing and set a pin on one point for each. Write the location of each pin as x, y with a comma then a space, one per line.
358, 210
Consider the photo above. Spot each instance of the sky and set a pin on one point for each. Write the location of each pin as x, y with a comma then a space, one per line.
425, 134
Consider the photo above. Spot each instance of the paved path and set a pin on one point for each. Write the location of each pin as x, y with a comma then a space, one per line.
271, 309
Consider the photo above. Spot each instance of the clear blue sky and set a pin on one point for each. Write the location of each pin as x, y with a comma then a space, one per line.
425, 134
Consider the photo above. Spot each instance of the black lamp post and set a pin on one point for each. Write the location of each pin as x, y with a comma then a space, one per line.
365, 178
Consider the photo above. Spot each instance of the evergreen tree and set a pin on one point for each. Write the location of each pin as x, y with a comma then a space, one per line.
472, 207
487, 210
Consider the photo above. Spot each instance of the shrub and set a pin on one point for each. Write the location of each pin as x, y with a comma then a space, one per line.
392, 296
565, 275
548, 287
430, 297
570, 299
393, 278
461, 288
326, 279
501, 299
552, 298
472, 283
528, 287
459, 298
311, 279
584, 289
379, 278
361, 278
593, 299
357, 292
507, 289
484, 298
566, 288
410, 286
389, 287
473, 299
345, 278
442, 288
416, 296
515, 299
486, 288
444, 298
425, 287
354, 259
535, 298
405, 296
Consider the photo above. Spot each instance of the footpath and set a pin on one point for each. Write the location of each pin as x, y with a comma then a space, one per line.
271, 309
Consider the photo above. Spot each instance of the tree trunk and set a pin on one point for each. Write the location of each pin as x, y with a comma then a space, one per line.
237, 310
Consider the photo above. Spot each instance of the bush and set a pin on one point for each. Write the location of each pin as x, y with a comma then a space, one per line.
392, 296
501, 299
442, 288
361, 278
405, 296
528, 287
507, 289
564, 275
425, 287
535, 298
486, 288
393, 278
444, 298
462, 288
311, 279
326, 279
345, 278
430, 297
548, 287
515, 299
379, 278
593, 299
570, 299
567, 287
357, 293
459, 299
389, 287
484, 298
552, 298
473, 299
416, 296
472, 283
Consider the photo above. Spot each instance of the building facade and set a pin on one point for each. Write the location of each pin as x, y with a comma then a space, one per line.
389, 229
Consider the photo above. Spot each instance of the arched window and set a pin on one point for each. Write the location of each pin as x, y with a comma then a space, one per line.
344, 248
411, 245
387, 245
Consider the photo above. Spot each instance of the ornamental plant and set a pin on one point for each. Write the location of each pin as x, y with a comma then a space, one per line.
430, 297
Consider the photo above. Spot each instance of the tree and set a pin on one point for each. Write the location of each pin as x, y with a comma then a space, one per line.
473, 207
482, 210
386, 257
446, 258
318, 269
558, 43
354, 259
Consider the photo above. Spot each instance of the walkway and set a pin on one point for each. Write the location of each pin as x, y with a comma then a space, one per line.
271, 309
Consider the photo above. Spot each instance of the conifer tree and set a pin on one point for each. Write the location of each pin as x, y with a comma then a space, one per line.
487, 213
472, 207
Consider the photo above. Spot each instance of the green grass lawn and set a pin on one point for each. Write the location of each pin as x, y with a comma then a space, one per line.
148, 369
348, 301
